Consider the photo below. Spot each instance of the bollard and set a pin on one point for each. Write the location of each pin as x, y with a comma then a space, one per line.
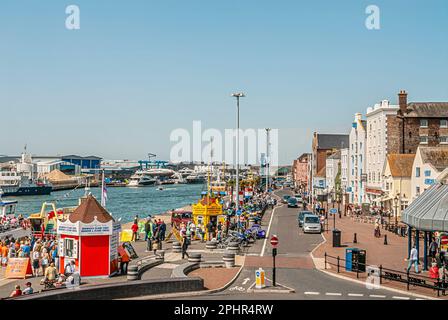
132, 273
177, 247
233, 247
211, 245
385, 239
194, 258
355, 240
229, 259
160, 255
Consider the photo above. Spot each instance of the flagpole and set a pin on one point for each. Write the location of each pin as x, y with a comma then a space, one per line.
103, 200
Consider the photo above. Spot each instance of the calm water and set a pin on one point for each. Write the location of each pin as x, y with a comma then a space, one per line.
122, 202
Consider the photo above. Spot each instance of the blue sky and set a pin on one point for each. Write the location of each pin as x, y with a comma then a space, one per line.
136, 70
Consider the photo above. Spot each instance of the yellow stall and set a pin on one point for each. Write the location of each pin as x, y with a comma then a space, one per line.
208, 209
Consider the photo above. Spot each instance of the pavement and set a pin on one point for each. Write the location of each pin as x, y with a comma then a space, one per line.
295, 268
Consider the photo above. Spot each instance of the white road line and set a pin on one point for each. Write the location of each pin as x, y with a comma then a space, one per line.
377, 296
333, 294
356, 295
401, 298
312, 293
267, 233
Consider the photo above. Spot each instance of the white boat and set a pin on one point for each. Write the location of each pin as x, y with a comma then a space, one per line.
141, 179
196, 178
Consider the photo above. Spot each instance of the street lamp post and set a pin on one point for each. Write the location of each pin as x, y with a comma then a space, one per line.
237, 184
396, 211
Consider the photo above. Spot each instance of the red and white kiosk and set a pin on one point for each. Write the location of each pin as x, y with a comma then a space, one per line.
90, 237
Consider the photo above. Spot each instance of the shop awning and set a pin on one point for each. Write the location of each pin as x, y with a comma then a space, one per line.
429, 212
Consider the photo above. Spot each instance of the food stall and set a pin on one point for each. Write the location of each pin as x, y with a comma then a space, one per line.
208, 209
90, 237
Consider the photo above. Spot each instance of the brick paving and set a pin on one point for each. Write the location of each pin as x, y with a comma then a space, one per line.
215, 278
391, 256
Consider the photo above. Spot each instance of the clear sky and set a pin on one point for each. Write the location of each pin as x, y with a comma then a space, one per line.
136, 70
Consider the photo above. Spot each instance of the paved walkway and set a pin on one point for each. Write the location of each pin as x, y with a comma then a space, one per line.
391, 256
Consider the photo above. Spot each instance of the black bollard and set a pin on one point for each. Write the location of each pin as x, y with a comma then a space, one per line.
355, 240
385, 239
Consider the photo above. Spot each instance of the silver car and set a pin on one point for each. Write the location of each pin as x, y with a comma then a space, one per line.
311, 224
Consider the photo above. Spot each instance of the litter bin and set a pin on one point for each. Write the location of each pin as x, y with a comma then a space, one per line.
355, 260
336, 238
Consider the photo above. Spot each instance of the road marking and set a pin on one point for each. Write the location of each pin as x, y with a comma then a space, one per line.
312, 293
245, 281
401, 298
267, 233
377, 296
356, 295
333, 294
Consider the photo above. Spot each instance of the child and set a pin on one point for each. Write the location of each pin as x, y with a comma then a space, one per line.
155, 245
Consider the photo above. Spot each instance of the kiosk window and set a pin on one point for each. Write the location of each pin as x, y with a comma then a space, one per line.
70, 248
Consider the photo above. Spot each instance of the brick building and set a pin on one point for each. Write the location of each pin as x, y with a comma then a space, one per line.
300, 171
417, 123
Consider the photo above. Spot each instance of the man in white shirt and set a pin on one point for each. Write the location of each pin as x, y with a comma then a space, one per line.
413, 259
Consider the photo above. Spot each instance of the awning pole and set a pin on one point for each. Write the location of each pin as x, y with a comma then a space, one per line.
425, 252
417, 243
409, 241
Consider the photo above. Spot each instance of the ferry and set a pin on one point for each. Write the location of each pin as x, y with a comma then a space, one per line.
13, 185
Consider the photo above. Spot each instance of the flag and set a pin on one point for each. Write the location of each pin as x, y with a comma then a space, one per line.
103, 194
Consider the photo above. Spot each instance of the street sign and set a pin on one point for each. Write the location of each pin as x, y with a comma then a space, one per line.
274, 241
333, 211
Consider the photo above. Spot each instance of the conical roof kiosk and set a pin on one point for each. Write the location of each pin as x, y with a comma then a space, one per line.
90, 237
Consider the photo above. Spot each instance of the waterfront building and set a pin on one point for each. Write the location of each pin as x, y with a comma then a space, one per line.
332, 168
417, 123
428, 166
397, 173
300, 171
322, 146
357, 147
378, 141
345, 168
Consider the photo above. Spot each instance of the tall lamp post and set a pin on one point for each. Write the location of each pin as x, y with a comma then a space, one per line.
237, 184
267, 158
396, 210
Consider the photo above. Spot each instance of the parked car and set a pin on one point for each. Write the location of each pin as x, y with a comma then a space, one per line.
311, 224
301, 215
298, 197
292, 203
286, 198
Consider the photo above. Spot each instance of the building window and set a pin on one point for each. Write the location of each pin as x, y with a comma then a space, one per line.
444, 123
417, 172
417, 190
444, 139
423, 123
410, 134
427, 173
423, 139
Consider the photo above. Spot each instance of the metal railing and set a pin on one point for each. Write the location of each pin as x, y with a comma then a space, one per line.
439, 284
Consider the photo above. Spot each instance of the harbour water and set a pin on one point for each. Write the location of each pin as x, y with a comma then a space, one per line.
121, 201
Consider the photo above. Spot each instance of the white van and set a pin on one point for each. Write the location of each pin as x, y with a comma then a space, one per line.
311, 224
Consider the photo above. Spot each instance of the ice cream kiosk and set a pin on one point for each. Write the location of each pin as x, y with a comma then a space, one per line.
208, 209
89, 236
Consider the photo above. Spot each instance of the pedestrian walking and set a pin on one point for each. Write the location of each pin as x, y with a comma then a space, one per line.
185, 244
36, 264
413, 259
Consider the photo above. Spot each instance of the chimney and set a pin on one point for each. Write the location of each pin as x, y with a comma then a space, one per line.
403, 101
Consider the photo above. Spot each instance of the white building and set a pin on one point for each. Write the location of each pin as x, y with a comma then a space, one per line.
332, 168
376, 147
357, 175
345, 167
429, 163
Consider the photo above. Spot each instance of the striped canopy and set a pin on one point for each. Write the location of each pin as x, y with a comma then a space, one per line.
429, 212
